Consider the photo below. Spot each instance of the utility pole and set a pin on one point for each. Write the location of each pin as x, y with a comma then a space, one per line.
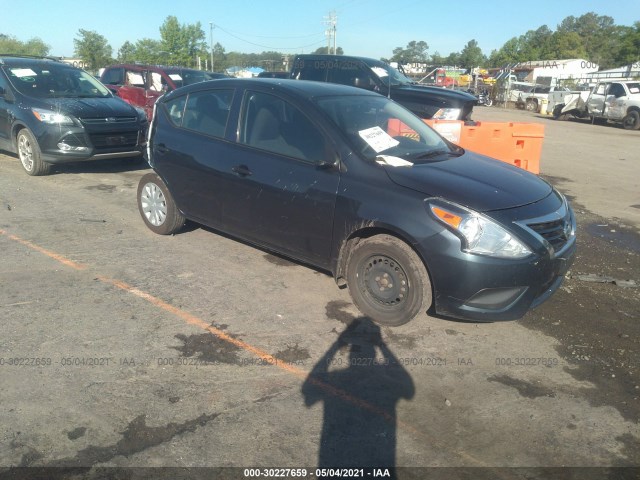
211, 42
331, 32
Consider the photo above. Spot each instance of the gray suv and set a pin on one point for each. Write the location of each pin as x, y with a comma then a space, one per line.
52, 112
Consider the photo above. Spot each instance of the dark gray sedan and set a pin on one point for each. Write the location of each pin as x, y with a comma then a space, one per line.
355, 184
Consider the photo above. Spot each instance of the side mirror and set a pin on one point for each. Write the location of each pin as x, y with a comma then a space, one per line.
6, 94
361, 82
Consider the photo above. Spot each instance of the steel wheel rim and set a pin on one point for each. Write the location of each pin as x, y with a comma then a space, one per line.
154, 204
25, 152
385, 281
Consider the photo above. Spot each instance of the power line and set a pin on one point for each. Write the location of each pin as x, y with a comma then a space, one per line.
270, 46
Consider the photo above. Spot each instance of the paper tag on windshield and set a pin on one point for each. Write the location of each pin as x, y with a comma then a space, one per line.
175, 76
23, 72
393, 161
380, 72
378, 139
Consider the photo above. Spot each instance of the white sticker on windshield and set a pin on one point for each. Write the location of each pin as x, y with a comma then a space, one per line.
634, 90
393, 161
23, 72
175, 76
378, 139
380, 72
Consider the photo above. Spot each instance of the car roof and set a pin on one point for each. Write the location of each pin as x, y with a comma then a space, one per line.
23, 60
300, 88
164, 68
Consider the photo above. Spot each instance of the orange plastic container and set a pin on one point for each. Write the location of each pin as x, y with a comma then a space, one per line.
519, 144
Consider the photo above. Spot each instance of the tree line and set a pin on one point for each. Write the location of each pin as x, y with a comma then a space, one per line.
593, 37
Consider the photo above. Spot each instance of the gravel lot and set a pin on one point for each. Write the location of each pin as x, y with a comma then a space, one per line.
121, 348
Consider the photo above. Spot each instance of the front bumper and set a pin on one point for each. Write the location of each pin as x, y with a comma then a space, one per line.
487, 289
76, 143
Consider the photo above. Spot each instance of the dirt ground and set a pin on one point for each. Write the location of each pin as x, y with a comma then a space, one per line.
122, 349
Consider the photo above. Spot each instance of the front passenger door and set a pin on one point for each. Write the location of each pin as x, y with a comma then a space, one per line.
284, 178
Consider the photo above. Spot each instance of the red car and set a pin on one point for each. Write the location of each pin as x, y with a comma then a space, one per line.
142, 85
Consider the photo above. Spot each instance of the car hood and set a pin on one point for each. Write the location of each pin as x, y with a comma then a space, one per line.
88, 107
443, 93
475, 181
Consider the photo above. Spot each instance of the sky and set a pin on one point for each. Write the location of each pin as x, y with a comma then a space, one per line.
371, 28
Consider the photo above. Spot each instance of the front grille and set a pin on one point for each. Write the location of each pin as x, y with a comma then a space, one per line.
112, 140
107, 120
555, 232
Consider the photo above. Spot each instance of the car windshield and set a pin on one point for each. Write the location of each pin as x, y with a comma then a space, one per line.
384, 131
184, 77
387, 73
54, 81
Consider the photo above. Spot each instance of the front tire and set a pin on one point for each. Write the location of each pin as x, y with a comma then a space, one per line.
387, 280
157, 207
531, 106
30, 155
631, 121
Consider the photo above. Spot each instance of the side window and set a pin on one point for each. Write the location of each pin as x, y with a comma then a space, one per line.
270, 123
617, 90
207, 112
156, 82
175, 109
113, 76
310, 70
601, 89
349, 73
135, 79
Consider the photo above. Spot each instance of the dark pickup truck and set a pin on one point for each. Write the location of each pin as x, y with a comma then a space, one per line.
371, 74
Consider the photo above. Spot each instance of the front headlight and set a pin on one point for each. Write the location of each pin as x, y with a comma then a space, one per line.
447, 114
480, 234
51, 117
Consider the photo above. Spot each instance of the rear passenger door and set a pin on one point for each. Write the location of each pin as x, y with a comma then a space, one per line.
190, 151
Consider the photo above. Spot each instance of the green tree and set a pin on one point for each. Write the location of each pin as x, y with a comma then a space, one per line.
33, 46
148, 50
127, 53
183, 42
629, 45
325, 50
567, 45
415, 52
471, 55
93, 49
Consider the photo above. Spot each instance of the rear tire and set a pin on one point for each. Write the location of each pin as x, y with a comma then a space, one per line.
30, 155
531, 106
388, 281
157, 207
631, 121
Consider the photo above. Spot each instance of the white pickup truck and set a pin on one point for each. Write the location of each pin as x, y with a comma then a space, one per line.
614, 101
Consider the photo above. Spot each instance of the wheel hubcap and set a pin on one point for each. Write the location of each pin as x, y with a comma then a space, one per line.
154, 205
25, 152
385, 280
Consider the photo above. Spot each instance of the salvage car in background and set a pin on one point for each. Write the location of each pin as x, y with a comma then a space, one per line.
142, 85
309, 170
425, 101
52, 112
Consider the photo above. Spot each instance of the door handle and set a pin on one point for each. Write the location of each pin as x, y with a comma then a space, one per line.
161, 148
241, 170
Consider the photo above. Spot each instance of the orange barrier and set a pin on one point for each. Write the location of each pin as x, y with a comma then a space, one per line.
519, 144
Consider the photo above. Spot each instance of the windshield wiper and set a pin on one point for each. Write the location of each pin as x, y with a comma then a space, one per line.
435, 153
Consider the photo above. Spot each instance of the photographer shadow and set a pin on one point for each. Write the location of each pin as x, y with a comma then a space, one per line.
360, 394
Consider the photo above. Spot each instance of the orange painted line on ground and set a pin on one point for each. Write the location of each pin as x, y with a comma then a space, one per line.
198, 322
48, 253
